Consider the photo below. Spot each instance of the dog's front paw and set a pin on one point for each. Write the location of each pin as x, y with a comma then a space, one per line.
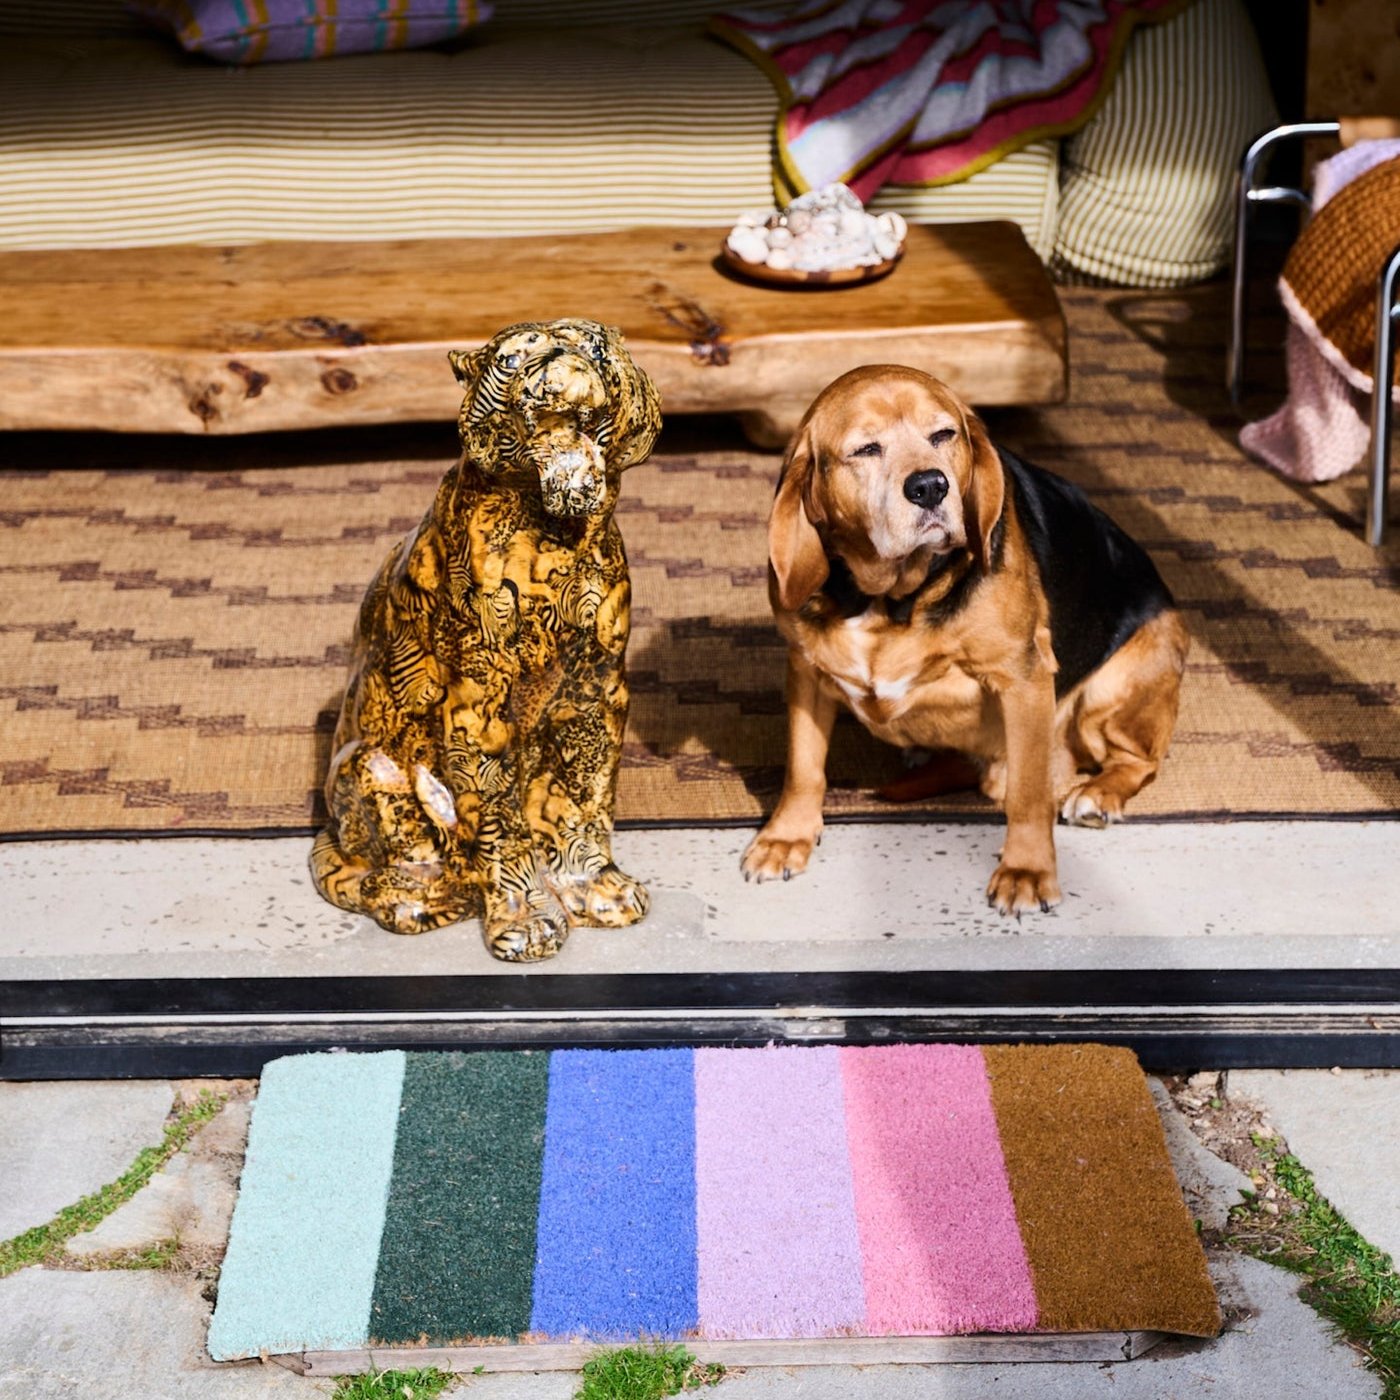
609, 900
1015, 890
529, 937
778, 857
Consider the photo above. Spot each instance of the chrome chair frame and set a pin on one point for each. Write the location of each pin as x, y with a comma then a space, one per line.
1247, 195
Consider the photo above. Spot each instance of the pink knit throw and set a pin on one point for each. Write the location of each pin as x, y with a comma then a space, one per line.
1323, 428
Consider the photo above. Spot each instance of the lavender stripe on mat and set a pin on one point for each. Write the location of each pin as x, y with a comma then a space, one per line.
779, 1252
299, 1272
615, 1248
941, 1247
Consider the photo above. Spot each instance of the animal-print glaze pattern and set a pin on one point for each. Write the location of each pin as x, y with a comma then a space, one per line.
475, 760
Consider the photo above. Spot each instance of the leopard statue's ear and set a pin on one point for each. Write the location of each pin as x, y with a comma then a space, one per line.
466, 364
480, 396
638, 414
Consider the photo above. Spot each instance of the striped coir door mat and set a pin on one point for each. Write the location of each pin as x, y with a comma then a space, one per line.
532, 1199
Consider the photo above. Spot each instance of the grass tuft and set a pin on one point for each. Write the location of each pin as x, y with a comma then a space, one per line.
160, 1255
1349, 1282
644, 1373
44, 1243
393, 1385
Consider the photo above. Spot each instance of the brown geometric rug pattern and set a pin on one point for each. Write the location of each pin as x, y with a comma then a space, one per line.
174, 614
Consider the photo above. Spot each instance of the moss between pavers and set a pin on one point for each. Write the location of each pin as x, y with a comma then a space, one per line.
44, 1243
1286, 1222
1351, 1283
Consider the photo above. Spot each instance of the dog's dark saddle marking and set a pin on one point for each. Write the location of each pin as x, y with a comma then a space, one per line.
1100, 583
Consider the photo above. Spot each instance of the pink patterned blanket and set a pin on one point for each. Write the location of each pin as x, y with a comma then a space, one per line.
927, 92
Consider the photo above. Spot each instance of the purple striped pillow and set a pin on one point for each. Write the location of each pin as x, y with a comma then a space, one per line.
274, 31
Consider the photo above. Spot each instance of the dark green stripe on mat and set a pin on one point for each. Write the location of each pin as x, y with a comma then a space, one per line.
458, 1253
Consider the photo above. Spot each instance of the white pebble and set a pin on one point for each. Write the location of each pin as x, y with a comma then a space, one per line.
886, 245
750, 244
854, 222
894, 224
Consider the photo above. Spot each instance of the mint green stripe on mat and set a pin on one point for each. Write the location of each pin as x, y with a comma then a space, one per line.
458, 1254
304, 1245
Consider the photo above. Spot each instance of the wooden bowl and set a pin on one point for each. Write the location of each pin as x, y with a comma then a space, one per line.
793, 277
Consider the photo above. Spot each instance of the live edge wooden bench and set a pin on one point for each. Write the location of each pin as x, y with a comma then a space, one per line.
266, 336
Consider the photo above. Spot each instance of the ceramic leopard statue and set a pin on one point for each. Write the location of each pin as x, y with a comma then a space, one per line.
475, 760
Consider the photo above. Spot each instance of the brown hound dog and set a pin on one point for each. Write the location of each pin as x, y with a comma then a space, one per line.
959, 600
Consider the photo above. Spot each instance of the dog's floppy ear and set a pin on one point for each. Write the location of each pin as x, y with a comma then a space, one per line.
985, 496
794, 547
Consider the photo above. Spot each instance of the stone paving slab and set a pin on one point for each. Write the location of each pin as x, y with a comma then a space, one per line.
190, 1199
1345, 1128
119, 1333
59, 1142
1282, 1354
122, 1333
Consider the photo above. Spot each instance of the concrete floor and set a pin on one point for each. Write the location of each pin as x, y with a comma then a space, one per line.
878, 896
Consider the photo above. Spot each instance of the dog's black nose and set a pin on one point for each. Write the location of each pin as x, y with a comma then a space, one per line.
925, 489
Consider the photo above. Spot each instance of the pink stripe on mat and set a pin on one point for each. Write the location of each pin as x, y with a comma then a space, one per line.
939, 1240
775, 1218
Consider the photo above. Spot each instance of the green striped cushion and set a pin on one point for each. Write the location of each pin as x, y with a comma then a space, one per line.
1146, 187
109, 143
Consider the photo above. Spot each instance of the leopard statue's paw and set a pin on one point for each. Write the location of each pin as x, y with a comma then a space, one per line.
610, 899
528, 937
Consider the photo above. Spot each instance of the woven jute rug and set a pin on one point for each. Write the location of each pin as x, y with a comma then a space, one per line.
175, 613
589, 1195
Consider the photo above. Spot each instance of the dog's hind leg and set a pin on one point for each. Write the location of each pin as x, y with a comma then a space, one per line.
1117, 727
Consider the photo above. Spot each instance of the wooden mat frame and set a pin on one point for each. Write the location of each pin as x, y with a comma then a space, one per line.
989, 1348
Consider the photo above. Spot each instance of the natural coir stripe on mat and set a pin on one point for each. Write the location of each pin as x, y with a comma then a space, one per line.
913, 1190
1082, 1159
175, 616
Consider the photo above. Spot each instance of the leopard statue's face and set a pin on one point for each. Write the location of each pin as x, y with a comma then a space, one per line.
562, 400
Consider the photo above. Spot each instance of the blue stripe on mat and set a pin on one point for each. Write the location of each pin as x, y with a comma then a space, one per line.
304, 1245
615, 1253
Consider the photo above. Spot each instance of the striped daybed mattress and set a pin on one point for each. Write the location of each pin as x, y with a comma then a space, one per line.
564, 117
